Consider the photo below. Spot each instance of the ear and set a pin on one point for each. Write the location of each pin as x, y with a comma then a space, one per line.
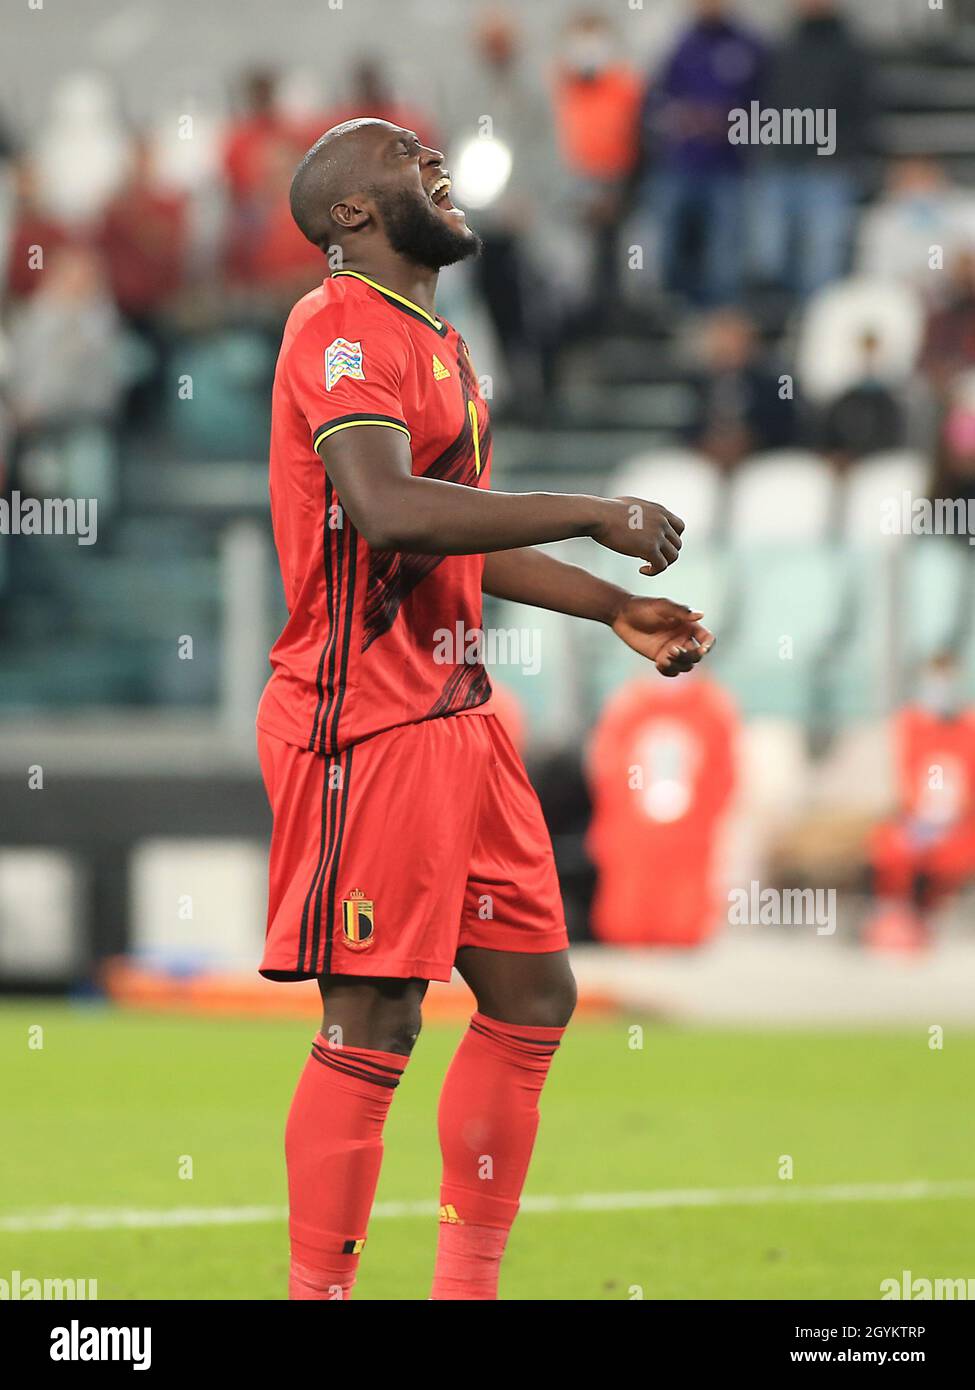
349, 214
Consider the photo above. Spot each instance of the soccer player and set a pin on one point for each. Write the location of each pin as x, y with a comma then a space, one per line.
407, 839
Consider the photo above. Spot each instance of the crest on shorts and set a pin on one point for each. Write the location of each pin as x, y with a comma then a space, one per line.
343, 358
358, 921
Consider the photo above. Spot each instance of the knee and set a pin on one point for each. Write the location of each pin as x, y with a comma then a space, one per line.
550, 1006
399, 1032
383, 1015
393, 1026
557, 1005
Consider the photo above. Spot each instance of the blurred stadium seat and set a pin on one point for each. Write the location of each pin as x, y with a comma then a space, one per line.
786, 609
832, 330
226, 416
686, 482
781, 496
43, 887
549, 695
936, 596
873, 487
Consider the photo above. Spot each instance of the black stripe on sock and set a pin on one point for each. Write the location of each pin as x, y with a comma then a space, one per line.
548, 1047
347, 1070
355, 1061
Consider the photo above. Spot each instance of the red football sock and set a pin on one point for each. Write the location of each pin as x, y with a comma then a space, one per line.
334, 1147
488, 1119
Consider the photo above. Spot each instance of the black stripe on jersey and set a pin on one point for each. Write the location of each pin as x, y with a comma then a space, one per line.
394, 576
325, 729
332, 871
334, 713
465, 688
333, 821
336, 813
456, 463
395, 302
331, 538
303, 934
390, 584
366, 418
330, 731
441, 332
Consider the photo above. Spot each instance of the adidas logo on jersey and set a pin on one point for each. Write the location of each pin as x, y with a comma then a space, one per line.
440, 372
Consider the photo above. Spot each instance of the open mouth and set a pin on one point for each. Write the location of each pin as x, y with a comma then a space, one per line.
440, 195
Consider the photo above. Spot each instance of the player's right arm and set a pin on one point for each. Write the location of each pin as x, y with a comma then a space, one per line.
371, 469
345, 369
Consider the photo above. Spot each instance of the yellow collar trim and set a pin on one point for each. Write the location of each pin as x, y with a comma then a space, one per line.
391, 294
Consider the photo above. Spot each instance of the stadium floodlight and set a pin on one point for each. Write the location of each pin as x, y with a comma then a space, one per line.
482, 171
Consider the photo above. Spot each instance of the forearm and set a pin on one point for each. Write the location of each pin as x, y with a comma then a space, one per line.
530, 576
392, 508
429, 517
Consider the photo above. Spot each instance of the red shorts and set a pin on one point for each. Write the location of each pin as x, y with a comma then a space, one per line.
387, 857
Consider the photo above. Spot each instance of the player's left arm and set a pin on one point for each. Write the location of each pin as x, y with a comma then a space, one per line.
666, 633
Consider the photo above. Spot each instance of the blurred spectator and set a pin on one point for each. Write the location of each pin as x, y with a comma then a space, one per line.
82, 153
693, 175
143, 237
919, 212
805, 201
867, 416
65, 346
255, 136
954, 470
509, 220
267, 257
949, 343
32, 229
7, 198
927, 851
596, 102
740, 407
372, 95
597, 98
662, 768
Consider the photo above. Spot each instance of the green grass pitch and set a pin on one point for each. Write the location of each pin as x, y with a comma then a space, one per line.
103, 1114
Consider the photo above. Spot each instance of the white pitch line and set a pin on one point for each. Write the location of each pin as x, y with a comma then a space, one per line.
123, 1219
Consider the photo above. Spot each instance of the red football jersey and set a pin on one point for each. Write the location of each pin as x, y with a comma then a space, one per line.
374, 639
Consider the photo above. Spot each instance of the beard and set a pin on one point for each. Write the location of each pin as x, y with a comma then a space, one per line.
417, 232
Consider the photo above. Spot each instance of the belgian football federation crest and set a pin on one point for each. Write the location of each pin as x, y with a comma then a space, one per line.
343, 358
358, 921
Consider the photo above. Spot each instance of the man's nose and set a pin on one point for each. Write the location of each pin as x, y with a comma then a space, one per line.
432, 156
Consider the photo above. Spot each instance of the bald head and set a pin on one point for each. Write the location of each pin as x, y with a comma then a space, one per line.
371, 184
339, 164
